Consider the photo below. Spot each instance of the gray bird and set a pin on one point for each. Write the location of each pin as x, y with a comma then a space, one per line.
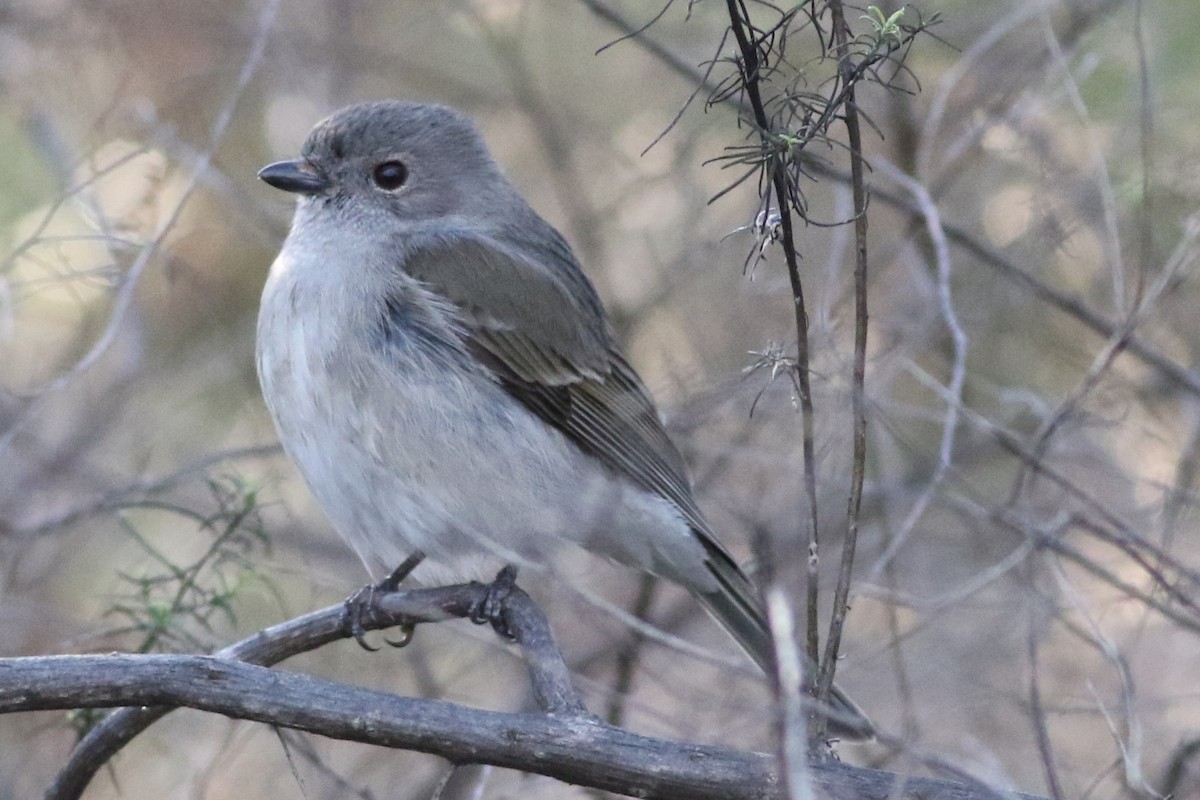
444, 375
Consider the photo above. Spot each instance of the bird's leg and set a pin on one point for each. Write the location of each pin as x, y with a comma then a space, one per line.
490, 608
361, 604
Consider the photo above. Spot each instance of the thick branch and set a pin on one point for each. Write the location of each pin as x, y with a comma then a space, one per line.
575, 749
549, 675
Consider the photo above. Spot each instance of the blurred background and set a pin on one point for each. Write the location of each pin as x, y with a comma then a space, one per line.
1024, 604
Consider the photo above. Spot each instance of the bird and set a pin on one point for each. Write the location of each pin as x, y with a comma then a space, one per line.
448, 383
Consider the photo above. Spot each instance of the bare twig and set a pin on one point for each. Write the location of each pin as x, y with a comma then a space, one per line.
1037, 711
837, 621
132, 492
958, 369
565, 743
573, 748
630, 652
790, 665
1006, 266
1126, 730
639, 34
548, 673
749, 66
129, 282
1181, 260
1109, 529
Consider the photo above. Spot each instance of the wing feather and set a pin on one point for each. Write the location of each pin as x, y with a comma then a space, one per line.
542, 332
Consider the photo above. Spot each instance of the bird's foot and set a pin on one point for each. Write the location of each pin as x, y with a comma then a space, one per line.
490, 608
360, 606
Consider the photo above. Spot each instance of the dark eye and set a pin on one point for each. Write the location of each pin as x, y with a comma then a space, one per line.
390, 175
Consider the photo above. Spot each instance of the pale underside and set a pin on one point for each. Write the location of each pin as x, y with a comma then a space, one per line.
411, 449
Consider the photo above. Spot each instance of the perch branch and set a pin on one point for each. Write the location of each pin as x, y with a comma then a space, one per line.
570, 747
549, 675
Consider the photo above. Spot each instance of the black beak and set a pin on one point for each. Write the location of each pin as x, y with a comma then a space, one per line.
298, 177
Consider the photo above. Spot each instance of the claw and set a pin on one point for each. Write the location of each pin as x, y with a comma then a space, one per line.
490, 608
406, 636
361, 605
358, 606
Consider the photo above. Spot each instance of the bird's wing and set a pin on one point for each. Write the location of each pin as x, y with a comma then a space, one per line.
528, 301
560, 361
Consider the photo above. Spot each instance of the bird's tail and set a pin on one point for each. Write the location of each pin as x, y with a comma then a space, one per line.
736, 605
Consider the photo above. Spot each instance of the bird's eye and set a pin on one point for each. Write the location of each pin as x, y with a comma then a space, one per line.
390, 175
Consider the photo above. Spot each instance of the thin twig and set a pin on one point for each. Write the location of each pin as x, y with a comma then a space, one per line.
125, 295
549, 674
958, 368
131, 493
630, 652
750, 66
1065, 302
1037, 712
837, 621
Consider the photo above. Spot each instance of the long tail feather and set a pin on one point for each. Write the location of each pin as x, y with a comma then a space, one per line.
736, 606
